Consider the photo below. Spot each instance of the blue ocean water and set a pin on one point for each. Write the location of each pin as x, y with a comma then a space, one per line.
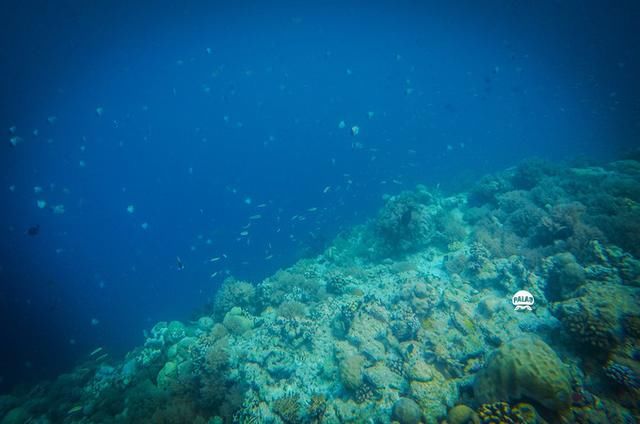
155, 131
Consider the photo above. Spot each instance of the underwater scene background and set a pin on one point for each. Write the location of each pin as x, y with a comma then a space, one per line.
330, 212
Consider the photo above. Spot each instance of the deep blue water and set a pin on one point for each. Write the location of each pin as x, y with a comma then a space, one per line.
203, 115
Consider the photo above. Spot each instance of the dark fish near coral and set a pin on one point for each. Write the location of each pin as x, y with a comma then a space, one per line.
34, 230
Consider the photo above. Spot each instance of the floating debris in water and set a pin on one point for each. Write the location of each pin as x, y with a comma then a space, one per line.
131, 209
355, 130
41, 204
144, 225
99, 110
342, 125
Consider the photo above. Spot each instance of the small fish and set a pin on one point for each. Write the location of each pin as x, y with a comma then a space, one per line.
216, 259
326, 189
213, 275
75, 409
33, 230
98, 350
15, 140
261, 205
244, 233
312, 209
266, 258
179, 263
257, 216
101, 357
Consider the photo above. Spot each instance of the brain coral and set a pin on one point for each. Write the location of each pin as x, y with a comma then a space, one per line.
406, 411
351, 371
526, 367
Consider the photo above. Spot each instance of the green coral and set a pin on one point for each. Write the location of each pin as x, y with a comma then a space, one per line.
594, 328
499, 413
288, 408
462, 414
527, 368
233, 293
351, 372
236, 322
406, 223
317, 407
406, 411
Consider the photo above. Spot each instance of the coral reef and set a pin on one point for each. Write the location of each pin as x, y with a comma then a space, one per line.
406, 318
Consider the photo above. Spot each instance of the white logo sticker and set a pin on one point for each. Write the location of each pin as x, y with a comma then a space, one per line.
523, 300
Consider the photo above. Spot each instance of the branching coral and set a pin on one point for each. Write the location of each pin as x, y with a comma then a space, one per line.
233, 293
317, 407
499, 413
288, 408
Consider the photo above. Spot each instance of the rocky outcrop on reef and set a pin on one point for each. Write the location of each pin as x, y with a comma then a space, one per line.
407, 318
